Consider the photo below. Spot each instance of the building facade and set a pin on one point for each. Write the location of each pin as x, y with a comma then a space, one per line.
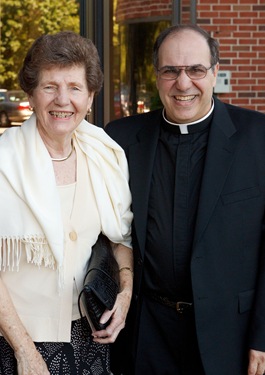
129, 28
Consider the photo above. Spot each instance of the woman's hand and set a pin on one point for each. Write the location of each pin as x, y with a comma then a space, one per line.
117, 323
118, 314
30, 361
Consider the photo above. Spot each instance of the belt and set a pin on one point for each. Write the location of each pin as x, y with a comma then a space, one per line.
181, 307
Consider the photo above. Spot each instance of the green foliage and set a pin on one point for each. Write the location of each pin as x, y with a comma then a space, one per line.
22, 22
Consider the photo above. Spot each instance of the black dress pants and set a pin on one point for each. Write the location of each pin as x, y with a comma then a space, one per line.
167, 342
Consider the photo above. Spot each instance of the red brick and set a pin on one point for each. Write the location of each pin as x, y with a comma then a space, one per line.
247, 94
240, 87
221, 8
240, 8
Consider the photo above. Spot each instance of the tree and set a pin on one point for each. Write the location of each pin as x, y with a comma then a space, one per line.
22, 22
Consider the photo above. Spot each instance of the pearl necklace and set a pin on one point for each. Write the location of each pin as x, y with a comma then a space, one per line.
66, 157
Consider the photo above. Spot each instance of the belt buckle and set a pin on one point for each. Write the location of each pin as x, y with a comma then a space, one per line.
182, 306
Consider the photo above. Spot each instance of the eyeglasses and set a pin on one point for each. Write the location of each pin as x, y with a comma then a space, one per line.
193, 71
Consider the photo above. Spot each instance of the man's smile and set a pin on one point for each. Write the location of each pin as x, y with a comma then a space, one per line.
186, 98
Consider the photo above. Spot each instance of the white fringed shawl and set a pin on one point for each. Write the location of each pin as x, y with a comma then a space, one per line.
30, 210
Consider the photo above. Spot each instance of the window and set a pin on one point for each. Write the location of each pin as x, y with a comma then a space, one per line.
133, 74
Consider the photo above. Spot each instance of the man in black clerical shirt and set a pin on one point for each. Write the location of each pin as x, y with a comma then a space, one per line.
197, 176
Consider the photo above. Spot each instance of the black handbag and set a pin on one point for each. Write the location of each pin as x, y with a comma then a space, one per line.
101, 283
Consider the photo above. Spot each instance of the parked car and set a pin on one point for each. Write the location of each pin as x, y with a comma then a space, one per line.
14, 107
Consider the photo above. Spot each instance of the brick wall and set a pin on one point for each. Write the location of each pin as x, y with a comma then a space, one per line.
239, 26
240, 30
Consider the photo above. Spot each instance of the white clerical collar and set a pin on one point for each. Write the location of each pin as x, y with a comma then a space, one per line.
183, 128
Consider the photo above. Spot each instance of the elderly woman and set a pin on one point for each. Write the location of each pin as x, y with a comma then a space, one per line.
63, 181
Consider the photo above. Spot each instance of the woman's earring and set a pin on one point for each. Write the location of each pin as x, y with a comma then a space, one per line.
88, 113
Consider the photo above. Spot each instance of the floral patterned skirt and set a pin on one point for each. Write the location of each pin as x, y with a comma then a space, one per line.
81, 356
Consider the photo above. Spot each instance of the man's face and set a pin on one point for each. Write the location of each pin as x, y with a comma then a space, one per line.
185, 99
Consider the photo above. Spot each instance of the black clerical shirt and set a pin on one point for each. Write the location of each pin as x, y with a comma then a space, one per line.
173, 203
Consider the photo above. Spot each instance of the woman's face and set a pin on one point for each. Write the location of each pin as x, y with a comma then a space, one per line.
61, 100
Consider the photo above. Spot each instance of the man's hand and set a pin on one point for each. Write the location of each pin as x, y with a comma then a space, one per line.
256, 362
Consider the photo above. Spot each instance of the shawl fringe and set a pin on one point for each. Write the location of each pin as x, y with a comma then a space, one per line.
37, 251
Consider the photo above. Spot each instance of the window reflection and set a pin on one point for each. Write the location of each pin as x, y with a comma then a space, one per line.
133, 75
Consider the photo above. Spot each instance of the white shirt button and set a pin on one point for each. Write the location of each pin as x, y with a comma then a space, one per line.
73, 236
